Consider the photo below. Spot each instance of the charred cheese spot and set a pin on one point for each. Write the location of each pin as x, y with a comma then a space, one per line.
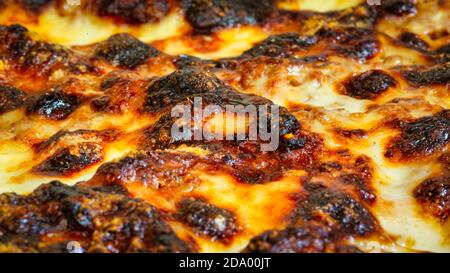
365, 192
443, 53
73, 159
336, 209
284, 45
424, 137
445, 161
206, 16
414, 41
121, 94
434, 196
305, 238
398, 7
72, 152
246, 163
368, 85
133, 11
156, 169
69, 137
10, 98
35, 6
207, 219
27, 54
178, 86
99, 221
439, 74
81, 67
445, 49
356, 43
54, 105
353, 175
310, 238
352, 42
187, 61
125, 51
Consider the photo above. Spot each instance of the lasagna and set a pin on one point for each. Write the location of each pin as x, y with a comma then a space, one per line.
87, 155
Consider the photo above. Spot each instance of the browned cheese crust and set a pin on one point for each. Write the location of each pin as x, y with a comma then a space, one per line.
97, 117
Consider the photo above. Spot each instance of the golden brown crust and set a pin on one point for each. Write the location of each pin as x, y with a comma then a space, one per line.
421, 138
99, 221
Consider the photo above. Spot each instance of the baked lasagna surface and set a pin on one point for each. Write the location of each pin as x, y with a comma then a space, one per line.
87, 154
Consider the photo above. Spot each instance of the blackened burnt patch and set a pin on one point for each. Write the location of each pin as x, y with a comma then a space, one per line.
69, 152
423, 137
335, 208
35, 6
207, 219
444, 49
182, 86
176, 87
54, 105
124, 50
443, 53
355, 43
247, 164
78, 135
120, 94
28, 54
364, 190
282, 46
45, 54
206, 16
368, 85
187, 61
15, 41
303, 239
413, 40
434, 196
439, 74
398, 7
155, 169
69, 160
10, 98
133, 11
100, 221
310, 237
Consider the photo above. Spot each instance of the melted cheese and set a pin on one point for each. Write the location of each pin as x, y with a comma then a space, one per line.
318, 5
75, 27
